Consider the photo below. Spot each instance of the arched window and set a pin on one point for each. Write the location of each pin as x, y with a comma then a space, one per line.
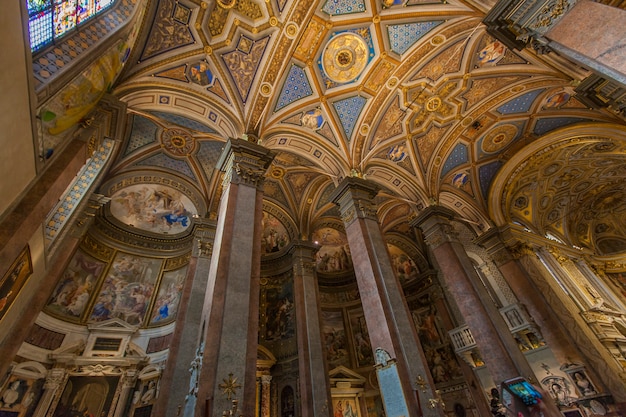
51, 19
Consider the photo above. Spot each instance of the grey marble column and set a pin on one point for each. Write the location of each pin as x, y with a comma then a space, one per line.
314, 386
231, 308
386, 314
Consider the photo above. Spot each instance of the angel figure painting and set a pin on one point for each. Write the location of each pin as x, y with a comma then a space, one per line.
127, 289
153, 208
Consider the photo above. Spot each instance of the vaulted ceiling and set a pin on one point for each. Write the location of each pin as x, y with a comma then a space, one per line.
413, 95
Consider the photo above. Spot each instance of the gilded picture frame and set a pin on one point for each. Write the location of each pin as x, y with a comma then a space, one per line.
14, 279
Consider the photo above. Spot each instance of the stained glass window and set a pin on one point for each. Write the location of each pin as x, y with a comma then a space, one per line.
51, 19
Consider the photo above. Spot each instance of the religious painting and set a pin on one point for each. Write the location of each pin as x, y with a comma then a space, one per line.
491, 54
334, 253
127, 289
168, 296
374, 406
557, 100
313, 119
280, 314
87, 396
335, 340
361, 340
153, 208
461, 180
402, 264
18, 397
443, 364
74, 102
287, 402
345, 407
397, 153
199, 73
14, 279
428, 327
71, 295
274, 234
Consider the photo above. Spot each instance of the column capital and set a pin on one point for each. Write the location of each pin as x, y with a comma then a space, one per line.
55, 377
245, 162
492, 241
435, 224
303, 254
204, 235
354, 196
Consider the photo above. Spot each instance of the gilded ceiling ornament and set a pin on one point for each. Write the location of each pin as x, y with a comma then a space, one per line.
498, 138
345, 57
178, 142
438, 40
291, 30
266, 89
226, 4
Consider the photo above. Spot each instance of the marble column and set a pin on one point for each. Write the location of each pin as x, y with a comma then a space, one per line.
386, 314
231, 308
265, 395
185, 353
525, 291
464, 285
54, 382
129, 379
314, 387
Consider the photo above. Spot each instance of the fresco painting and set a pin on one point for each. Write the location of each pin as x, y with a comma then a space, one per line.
345, 407
168, 296
127, 289
361, 340
274, 234
87, 396
71, 295
402, 264
14, 279
334, 252
335, 339
280, 313
153, 208
491, 54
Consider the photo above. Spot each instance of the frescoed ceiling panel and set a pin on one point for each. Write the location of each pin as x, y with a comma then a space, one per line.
412, 94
